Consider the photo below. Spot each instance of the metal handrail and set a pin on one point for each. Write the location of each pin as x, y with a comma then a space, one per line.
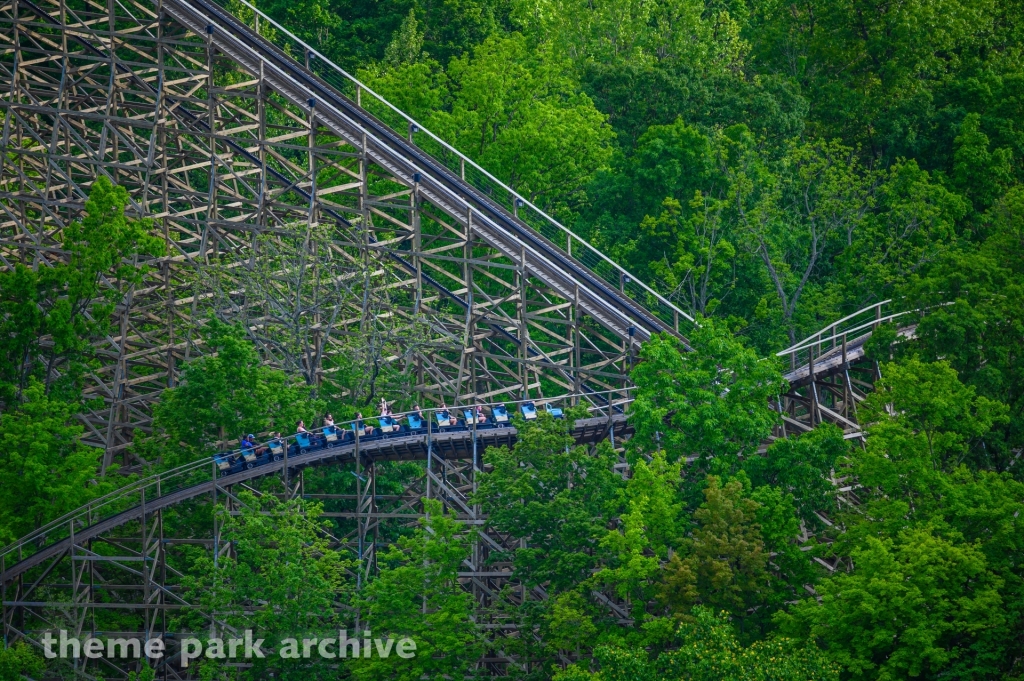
517, 198
800, 344
845, 332
164, 477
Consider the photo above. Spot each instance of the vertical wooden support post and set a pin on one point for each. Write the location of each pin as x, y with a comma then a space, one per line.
813, 387
524, 331
577, 378
360, 536
216, 528
417, 246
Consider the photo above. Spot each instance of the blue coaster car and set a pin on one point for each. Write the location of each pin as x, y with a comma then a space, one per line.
276, 449
500, 415
471, 418
389, 426
359, 428
415, 422
306, 442
529, 410
446, 419
333, 436
554, 411
249, 456
227, 463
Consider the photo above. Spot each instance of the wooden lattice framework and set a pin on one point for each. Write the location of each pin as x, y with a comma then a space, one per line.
337, 242
284, 208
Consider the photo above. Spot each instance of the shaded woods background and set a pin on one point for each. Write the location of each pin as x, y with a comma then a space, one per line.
773, 167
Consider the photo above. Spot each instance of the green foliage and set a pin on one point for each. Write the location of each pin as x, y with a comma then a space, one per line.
71, 302
19, 661
923, 410
932, 586
802, 467
723, 563
906, 608
45, 470
974, 304
708, 650
282, 581
651, 523
418, 594
711, 403
227, 394
553, 493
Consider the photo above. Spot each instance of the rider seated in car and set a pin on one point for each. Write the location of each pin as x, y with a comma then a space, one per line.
252, 445
367, 428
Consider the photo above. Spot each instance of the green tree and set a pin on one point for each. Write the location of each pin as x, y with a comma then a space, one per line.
707, 649
723, 563
972, 303
651, 523
554, 495
282, 581
796, 214
418, 594
710, 403
922, 510
872, 67
802, 466
910, 607
519, 114
981, 175
913, 222
45, 470
226, 394
19, 661
919, 406
71, 301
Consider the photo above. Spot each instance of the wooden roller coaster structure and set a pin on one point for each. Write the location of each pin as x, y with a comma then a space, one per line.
296, 201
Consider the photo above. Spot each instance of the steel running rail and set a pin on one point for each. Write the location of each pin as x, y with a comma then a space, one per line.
241, 43
652, 324
191, 480
514, 199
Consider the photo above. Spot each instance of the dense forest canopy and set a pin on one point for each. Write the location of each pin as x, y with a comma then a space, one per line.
769, 166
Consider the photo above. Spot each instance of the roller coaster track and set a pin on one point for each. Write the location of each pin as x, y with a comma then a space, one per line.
505, 232
567, 315
566, 287
445, 445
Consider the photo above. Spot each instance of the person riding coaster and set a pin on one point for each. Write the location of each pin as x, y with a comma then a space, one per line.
389, 424
248, 449
476, 416
415, 419
365, 429
331, 434
445, 418
306, 441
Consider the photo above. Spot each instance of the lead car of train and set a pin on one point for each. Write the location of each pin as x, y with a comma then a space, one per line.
330, 437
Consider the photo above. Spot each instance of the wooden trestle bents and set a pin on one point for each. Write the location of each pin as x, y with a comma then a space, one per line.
344, 249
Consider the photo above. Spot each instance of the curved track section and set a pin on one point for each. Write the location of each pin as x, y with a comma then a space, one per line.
415, 447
